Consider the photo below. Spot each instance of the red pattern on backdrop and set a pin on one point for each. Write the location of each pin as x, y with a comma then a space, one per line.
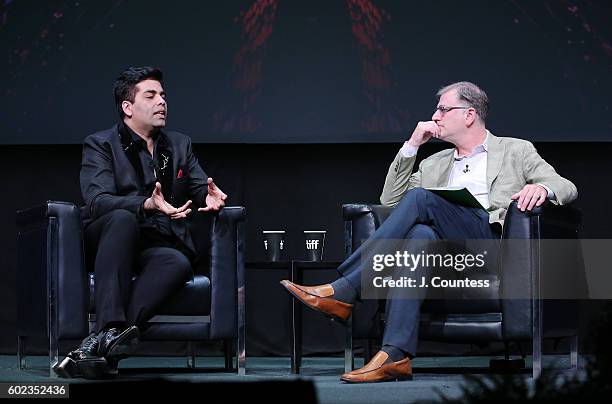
368, 22
256, 25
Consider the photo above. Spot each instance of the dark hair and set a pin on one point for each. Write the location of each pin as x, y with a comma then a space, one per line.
473, 95
125, 84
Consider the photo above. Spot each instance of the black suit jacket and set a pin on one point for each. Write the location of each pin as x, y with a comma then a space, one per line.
110, 181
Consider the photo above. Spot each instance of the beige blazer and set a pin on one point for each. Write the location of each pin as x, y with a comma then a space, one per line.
511, 164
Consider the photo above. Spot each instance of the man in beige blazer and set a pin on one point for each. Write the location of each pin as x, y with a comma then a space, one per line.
496, 170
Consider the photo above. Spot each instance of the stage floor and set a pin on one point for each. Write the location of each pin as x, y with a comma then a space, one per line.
444, 374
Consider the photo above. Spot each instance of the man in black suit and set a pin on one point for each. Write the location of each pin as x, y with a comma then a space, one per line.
133, 177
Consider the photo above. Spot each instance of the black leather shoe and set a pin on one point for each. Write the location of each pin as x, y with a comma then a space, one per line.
99, 368
116, 344
98, 355
86, 354
67, 368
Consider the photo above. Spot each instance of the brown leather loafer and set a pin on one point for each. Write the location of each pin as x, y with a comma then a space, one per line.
378, 371
320, 298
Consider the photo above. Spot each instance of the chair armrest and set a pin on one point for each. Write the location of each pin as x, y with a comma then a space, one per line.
227, 271
51, 267
560, 221
360, 222
352, 211
524, 263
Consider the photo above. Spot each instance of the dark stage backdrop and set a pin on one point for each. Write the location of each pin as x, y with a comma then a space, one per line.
311, 71
291, 187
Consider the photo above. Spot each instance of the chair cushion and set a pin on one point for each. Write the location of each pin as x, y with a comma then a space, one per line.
468, 306
195, 331
192, 300
468, 300
462, 328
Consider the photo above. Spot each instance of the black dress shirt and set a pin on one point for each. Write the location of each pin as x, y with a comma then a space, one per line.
118, 172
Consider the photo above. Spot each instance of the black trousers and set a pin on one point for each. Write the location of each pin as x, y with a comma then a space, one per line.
121, 250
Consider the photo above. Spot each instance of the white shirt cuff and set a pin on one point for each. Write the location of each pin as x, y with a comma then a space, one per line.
408, 150
551, 195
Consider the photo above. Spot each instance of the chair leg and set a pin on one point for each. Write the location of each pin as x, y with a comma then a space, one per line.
21, 351
241, 338
537, 358
349, 360
507, 364
241, 354
53, 355
537, 324
190, 355
53, 326
574, 353
227, 353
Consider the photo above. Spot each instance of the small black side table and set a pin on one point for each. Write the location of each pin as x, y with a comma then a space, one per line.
295, 270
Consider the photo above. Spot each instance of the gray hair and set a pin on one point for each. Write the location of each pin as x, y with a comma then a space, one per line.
473, 95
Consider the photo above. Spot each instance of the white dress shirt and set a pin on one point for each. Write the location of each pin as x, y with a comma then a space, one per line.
471, 172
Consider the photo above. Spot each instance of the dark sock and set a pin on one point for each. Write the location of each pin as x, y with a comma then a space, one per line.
344, 291
395, 354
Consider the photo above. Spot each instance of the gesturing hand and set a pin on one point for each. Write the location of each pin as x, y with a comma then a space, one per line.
157, 202
531, 195
215, 199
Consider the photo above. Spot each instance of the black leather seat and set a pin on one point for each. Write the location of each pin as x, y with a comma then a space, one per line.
55, 290
516, 309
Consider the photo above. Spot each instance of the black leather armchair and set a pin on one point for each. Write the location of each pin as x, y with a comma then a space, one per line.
55, 289
492, 318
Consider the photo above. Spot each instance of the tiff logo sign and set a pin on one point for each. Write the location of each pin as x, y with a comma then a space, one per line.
312, 244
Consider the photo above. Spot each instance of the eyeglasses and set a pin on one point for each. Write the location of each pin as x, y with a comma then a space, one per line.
443, 110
